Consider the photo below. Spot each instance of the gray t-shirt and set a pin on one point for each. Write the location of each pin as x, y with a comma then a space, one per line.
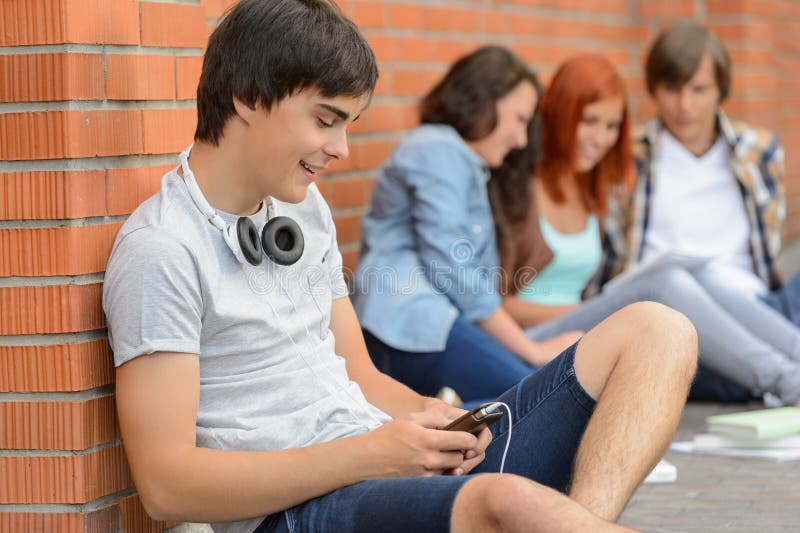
269, 376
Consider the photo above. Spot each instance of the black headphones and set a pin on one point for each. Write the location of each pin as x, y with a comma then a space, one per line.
281, 239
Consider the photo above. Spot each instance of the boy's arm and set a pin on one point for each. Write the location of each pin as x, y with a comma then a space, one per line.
388, 394
384, 392
157, 400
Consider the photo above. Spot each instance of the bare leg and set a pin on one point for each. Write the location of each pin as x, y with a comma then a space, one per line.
504, 502
639, 364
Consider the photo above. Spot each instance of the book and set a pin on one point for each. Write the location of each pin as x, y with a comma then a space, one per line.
664, 472
777, 455
759, 424
714, 441
670, 258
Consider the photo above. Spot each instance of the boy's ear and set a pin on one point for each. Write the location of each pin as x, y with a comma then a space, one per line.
244, 111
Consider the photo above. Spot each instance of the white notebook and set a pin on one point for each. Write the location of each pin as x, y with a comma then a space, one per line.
686, 261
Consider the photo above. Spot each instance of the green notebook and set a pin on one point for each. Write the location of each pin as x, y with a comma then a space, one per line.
761, 424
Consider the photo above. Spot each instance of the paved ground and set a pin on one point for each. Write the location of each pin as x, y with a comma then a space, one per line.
718, 493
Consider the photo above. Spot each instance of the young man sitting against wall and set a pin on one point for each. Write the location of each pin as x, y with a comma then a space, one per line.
244, 390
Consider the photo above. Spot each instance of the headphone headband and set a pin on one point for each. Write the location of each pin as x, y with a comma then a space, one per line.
242, 237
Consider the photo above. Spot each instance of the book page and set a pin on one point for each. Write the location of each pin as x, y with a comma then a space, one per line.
679, 259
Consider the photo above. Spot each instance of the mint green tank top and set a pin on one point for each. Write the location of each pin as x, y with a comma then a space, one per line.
576, 257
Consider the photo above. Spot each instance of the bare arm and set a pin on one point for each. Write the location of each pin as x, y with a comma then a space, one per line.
385, 392
157, 400
502, 327
528, 314
382, 391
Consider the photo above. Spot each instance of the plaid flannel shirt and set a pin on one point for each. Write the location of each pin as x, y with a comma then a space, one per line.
756, 159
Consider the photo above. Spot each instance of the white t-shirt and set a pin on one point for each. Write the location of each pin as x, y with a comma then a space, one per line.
172, 284
697, 209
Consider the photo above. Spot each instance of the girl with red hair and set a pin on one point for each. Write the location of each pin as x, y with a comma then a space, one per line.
549, 228
552, 233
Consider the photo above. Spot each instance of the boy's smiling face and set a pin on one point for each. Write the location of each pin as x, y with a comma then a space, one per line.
286, 146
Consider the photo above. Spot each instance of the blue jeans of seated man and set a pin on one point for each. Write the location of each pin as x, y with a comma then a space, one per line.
473, 364
786, 299
550, 413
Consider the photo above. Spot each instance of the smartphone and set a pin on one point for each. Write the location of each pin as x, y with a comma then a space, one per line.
475, 420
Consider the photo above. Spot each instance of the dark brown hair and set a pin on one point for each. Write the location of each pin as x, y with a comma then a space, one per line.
511, 198
264, 51
677, 52
466, 98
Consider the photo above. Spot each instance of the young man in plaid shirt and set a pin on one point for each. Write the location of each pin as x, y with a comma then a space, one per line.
710, 187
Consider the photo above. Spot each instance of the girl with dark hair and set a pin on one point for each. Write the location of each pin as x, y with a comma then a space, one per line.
427, 289
555, 250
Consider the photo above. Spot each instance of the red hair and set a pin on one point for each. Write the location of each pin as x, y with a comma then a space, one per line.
580, 81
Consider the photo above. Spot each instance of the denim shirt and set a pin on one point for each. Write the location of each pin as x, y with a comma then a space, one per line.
428, 249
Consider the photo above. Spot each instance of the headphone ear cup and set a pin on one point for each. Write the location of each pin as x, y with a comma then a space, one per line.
247, 235
282, 241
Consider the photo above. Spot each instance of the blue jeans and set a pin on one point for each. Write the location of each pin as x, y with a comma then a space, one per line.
786, 299
473, 364
550, 413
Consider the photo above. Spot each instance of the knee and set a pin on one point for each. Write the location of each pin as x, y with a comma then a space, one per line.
656, 323
501, 502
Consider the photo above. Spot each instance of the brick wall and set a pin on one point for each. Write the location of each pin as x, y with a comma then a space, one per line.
95, 100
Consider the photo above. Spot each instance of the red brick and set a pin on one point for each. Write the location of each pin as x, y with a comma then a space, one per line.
140, 77
99, 521
51, 195
400, 47
57, 425
349, 263
24, 23
55, 309
129, 187
364, 155
667, 8
497, 22
136, 520
749, 8
754, 81
371, 154
173, 25
405, 16
345, 193
101, 21
554, 55
741, 57
752, 30
414, 82
447, 51
51, 77
68, 134
60, 367
188, 70
168, 130
387, 117
369, 14
72, 479
69, 21
65, 251
450, 19
618, 7
348, 228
